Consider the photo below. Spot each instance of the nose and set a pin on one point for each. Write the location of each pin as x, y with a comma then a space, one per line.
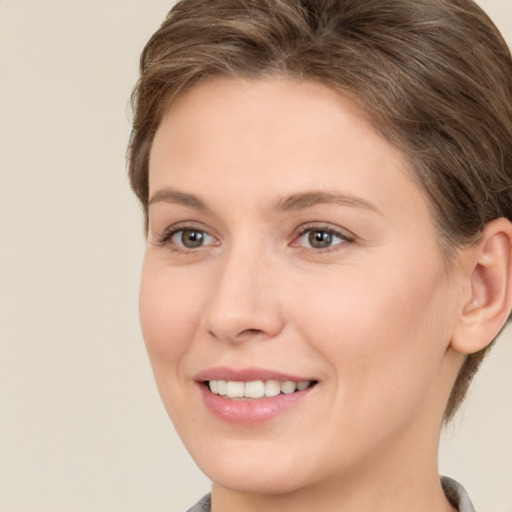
244, 303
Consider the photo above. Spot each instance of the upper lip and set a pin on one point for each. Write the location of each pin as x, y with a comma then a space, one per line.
246, 375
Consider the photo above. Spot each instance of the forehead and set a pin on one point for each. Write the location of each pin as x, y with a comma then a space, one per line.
248, 140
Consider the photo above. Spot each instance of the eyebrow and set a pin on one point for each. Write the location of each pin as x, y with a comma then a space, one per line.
302, 201
294, 202
169, 195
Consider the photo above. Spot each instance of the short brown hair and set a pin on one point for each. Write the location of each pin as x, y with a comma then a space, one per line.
435, 76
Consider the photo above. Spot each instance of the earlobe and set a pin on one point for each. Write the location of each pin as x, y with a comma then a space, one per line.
490, 279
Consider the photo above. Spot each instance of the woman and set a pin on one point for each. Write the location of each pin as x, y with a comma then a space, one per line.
327, 188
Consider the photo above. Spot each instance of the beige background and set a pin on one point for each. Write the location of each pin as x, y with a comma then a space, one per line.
81, 425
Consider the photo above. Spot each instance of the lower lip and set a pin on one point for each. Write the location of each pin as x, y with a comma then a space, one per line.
250, 412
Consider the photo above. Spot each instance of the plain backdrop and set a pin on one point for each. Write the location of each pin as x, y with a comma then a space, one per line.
81, 424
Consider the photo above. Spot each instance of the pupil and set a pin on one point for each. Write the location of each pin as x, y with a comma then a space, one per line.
320, 239
192, 239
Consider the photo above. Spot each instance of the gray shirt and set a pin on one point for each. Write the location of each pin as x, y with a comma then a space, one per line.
455, 493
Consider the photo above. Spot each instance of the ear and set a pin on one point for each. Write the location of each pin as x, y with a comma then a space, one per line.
489, 275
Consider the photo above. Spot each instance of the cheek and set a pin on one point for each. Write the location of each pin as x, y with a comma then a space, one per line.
384, 334
169, 314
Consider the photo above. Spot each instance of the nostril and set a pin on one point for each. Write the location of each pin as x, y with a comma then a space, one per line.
249, 332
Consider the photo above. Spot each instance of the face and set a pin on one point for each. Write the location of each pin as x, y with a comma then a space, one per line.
294, 301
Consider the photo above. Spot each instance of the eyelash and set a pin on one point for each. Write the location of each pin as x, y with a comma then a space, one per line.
165, 238
343, 235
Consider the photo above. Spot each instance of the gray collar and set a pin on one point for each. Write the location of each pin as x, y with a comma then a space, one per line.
457, 495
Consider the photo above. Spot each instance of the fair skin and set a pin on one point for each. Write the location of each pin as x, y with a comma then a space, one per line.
287, 241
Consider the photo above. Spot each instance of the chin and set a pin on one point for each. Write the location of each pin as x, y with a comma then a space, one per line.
258, 473
255, 481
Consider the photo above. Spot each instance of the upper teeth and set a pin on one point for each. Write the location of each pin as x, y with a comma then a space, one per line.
255, 388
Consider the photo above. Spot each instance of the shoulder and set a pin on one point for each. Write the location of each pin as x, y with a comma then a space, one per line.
456, 495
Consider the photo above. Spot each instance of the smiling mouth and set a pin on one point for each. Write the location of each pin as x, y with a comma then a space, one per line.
238, 390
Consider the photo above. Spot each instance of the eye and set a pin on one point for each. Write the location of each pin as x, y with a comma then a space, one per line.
320, 238
190, 238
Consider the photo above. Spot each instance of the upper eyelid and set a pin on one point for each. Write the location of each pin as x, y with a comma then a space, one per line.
326, 226
189, 224
170, 231
335, 232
